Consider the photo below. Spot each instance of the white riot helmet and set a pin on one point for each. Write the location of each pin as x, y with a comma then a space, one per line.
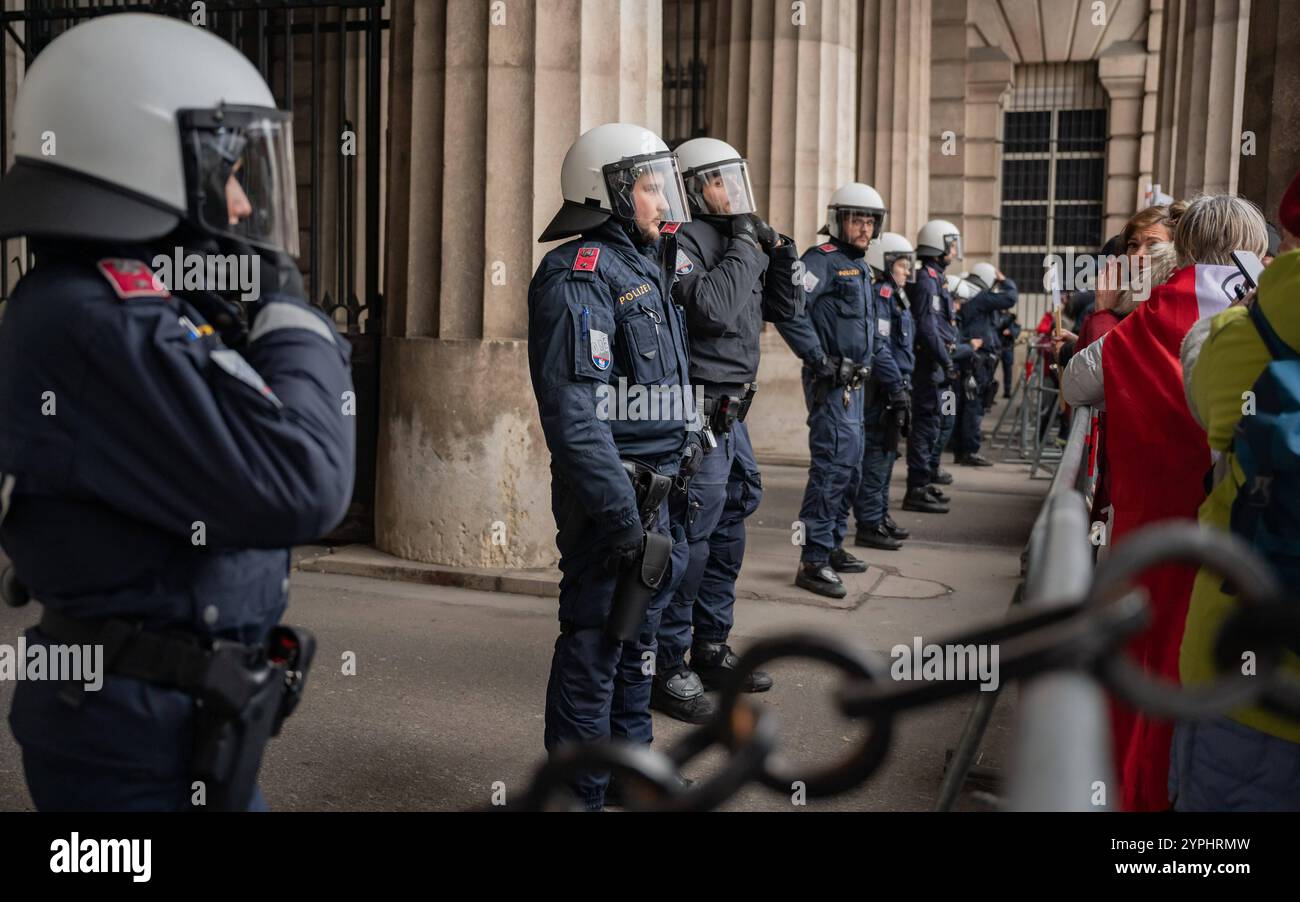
985, 274
937, 237
130, 124
600, 172
854, 198
716, 177
961, 287
885, 250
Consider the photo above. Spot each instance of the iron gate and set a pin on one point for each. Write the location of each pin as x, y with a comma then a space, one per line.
322, 61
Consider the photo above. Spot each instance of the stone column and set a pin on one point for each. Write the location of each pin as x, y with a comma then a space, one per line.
1122, 69
1272, 105
989, 78
947, 153
1202, 87
484, 100
783, 91
894, 112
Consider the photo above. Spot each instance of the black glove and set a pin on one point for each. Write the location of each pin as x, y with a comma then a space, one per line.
768, 237
900, 402
826, 368
951, 373
277, 274
624, 548
743, 229
692, 455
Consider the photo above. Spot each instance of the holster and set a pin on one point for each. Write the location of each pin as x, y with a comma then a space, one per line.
722, 412
640, 579
637, 584
892, 430
242, 694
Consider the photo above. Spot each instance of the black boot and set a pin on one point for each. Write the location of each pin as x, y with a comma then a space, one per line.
877, 536
918, 499
974, 460
715, 663
937, 494
843, 562
621, 788
817, 576
680, 694
942, 477
895, 530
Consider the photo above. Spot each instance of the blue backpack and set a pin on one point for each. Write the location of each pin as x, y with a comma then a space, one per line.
1266, 512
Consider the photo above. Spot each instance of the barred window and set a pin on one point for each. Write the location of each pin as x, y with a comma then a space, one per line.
1053, 173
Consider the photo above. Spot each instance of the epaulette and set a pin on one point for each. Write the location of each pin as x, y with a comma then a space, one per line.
826, 248
131, 279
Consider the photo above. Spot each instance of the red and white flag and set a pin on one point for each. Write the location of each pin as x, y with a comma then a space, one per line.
1157, 458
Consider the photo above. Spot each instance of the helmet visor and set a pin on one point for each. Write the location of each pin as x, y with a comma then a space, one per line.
722, 189
891, 259
239, 175
847, 222
952, 243
647, 189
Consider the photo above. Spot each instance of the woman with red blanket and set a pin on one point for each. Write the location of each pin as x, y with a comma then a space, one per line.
1157, 453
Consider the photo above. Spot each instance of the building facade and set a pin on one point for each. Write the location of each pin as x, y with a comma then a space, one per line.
1037, 126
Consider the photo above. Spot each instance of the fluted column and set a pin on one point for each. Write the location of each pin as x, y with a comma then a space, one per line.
894, 112
798, 129
1202, 86
1272, 105
485, 98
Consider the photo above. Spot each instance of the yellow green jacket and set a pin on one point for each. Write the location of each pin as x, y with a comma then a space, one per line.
1231, 359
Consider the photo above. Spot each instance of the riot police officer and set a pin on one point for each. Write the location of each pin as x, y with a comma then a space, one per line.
733, 272
933, 398
887, 417
160, 458
832, 339
602, 329
977, 320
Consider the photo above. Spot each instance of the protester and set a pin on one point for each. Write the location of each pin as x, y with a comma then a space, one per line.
1249, 760
1156, 451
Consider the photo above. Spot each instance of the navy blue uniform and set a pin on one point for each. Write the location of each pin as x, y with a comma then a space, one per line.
726, 287
894, 333
159, 478
936, 339
977, 320
1008, 331
837, 285
602, 332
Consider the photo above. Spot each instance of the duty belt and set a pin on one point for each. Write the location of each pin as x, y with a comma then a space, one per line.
722, 411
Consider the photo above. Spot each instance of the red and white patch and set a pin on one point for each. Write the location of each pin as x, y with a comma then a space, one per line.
826, 248
669, 228
132, 279
930, 270
586, 259
886, 291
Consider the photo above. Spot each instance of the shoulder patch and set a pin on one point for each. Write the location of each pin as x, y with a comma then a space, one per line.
132, 279
237, 367
851, 271
886, 291
684, 264
810, 280
586, 259
826, 248
669, 228
930, 270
